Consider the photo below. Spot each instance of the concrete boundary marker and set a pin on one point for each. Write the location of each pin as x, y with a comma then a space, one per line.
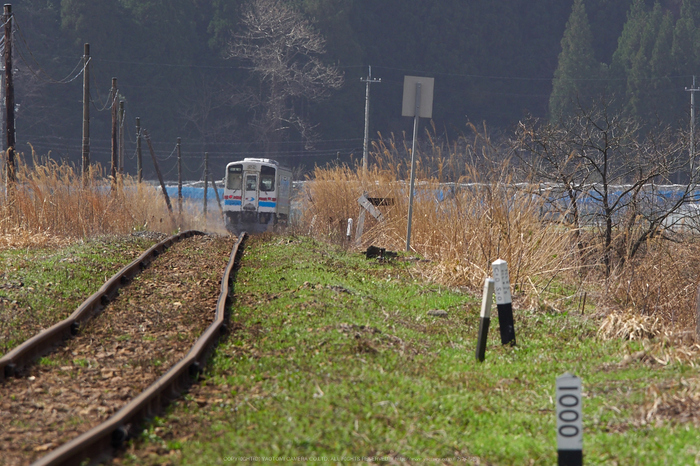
504, 301
486, 303
569, 420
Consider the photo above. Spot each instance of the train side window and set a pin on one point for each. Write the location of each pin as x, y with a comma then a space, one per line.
267, 179
235, 178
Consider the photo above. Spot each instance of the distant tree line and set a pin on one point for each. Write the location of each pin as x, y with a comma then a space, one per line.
658, 52
181, 69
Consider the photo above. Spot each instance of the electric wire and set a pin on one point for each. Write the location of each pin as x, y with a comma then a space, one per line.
104, 107
108, 105
161, 159
48, 78
189, 168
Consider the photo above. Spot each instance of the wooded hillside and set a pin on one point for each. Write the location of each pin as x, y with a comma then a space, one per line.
493, 62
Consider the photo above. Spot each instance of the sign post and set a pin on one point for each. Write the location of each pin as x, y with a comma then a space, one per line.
417, 102
569, 421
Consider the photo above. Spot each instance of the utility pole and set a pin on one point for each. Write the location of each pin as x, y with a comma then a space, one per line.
139, 159
9, 98
692, 91
179, 177
160, 176
86, 115
206, 178
368, 80
121, 137
115, 160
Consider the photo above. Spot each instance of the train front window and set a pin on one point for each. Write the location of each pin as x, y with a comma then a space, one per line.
267, 178
250, 182
234, 178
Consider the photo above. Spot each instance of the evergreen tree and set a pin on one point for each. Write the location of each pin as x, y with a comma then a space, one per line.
639, 73
628, 45
644, 64
685, 39
577, 74
663, 97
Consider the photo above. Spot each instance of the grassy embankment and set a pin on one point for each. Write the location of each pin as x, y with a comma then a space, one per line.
39, 286
61, 240
332, 355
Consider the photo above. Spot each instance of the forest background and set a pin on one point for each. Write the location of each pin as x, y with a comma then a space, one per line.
493, 63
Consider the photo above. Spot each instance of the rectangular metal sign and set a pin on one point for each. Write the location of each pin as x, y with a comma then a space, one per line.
408, 107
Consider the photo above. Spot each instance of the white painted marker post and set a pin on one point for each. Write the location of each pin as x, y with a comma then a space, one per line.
486, 303
504, 301
569, 421
348, 233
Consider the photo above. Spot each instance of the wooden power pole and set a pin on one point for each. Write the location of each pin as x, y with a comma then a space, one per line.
115, 159
179, 177
160, 177
86, 115
121, 137
206, 177
9, 98
139, 159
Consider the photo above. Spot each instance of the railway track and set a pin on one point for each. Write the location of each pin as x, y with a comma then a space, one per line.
130, 348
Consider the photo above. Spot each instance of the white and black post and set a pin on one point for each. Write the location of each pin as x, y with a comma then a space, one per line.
486, 303
503, 301
569, 421
348, 232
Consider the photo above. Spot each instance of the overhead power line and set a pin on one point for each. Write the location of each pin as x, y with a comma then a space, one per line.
72, 76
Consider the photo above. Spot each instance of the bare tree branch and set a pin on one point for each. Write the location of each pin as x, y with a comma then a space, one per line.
283, 51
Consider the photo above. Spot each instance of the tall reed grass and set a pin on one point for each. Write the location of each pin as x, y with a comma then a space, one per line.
469, 212
462, 226
50, 200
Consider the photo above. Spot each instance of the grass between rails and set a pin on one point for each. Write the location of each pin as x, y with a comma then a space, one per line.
41, 286
333, 356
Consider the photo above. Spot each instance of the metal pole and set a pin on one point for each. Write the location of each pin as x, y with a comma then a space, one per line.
692, 122
413, 169
365, 148
86, 115
139, 159
692, 91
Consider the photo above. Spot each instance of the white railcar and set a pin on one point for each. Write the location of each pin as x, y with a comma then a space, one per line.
256, 195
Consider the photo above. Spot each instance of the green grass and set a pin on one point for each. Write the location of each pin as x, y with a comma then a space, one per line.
39, 287
334, 356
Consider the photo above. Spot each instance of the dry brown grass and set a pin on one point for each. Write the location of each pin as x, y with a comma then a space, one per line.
48, 204
629, 326
661, 283
467, 213
460, 227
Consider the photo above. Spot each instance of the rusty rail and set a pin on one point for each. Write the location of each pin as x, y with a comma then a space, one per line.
48, 339
100, 442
